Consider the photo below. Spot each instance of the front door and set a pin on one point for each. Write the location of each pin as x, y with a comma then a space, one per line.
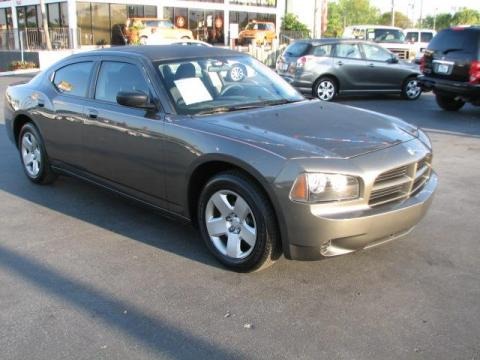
381, 72
349, 64
124, 144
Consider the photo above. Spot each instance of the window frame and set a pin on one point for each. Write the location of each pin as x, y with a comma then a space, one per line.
364, 54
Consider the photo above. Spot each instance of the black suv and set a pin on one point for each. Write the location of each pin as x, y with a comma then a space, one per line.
451, 67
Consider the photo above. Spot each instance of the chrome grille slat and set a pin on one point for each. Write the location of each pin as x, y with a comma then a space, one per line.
401, 182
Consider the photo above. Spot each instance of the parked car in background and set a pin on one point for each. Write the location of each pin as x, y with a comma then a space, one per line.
258, 168
327, 67
143, 28
391, 38
418, 40
451, 67
158, 40
257, 33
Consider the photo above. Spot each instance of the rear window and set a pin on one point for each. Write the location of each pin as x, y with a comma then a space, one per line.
462, 39
297, 49
426, 37
73, 79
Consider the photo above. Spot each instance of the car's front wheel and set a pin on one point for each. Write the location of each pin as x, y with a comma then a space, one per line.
449, 103
325, 89
237, 222
33, 155
411, 90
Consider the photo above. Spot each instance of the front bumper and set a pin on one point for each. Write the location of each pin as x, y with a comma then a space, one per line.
450, 87
347, 232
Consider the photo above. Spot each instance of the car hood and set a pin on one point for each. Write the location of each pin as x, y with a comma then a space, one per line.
312, 129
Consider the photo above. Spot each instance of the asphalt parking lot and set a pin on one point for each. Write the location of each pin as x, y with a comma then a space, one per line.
87, 275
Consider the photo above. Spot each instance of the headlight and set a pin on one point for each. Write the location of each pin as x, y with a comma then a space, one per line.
319, 187
423, 137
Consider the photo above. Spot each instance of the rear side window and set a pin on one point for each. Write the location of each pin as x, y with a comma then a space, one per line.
322, 50
459, 39
73, 79
118, 76
426, 37
412, 36
297, 49
350, 51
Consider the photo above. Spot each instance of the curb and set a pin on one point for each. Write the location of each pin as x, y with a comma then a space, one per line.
19, 72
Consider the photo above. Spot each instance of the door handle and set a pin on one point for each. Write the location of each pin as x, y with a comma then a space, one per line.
340, 63
371, 65
92, 114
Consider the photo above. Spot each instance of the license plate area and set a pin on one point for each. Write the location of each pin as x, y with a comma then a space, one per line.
443, 68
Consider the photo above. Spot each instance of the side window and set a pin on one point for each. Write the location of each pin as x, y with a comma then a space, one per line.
322, 50
350, 51
376, 53
118, 76
73, 79
412, 36
426, 37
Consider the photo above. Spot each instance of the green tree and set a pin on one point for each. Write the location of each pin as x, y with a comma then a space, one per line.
401, 20
466, 16
439, 22
290, 22
335, 21
343, 13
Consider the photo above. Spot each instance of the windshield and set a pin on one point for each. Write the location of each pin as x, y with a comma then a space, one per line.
256, 26
222, 84
159, 23
385, 35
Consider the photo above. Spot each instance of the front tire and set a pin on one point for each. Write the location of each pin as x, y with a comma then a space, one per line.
237, 223
410, 89
449, 103
33, 156
325, 89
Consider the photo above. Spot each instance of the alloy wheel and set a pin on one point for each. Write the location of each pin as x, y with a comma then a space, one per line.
31, 154
412, 89
230, 224
237, 73
326, 90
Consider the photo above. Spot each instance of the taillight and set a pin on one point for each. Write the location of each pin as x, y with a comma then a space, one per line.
422, 63
475, 72
302, 61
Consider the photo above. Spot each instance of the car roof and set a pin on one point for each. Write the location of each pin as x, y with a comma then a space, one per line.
374, 27
333, 41
165, 52
418, 29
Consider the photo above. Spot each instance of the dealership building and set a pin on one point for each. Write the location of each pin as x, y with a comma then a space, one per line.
75, 23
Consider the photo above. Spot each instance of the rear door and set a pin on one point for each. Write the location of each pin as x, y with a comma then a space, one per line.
349, 67
451, 52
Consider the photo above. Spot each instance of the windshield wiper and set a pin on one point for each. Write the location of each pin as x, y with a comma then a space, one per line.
255, 105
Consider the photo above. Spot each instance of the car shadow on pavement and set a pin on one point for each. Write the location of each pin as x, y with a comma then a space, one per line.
102, 208
152, 331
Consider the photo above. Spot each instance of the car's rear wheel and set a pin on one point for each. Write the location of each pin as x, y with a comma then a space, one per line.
33, 155
237, 223
411, 90
449, 103
325, 89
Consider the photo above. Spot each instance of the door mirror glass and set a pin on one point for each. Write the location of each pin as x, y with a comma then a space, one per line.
136, 99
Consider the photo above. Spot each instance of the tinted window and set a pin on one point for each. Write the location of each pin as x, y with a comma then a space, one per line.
412, 36
322, 50
350, 51
462, 39
426, 37
376, 53
297, 49
117, 76
73, 79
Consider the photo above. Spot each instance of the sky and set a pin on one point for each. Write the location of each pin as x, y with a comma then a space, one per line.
412, 7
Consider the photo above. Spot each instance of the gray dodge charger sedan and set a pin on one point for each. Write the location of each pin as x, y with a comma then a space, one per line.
214, 137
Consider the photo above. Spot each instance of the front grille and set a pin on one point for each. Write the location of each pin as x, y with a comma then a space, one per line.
400, 183
401, 53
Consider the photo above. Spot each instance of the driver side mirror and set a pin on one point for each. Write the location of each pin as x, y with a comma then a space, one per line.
135, 99
393, 60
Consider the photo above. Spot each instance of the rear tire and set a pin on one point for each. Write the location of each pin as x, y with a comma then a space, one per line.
325, 89
449, 103
33, 156
410, 89
237, 223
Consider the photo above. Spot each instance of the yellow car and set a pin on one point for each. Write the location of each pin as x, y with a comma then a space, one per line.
257, 33
141, 28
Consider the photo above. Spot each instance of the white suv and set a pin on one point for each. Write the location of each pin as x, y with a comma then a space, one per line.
419, 40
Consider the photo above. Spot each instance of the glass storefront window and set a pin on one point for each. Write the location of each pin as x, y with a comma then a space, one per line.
101, 23
264, 3
53, 15
150, 11
31, 16
64, 14
84, 22
181, 18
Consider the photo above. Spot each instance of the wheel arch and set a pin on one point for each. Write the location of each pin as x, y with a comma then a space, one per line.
202, 171
19, 121
327, 75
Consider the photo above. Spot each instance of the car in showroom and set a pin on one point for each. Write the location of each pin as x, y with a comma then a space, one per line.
451, 67
259, 169
326, 68
141, 29
257, 33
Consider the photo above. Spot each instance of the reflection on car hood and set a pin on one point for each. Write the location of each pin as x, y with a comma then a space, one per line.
312, 129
